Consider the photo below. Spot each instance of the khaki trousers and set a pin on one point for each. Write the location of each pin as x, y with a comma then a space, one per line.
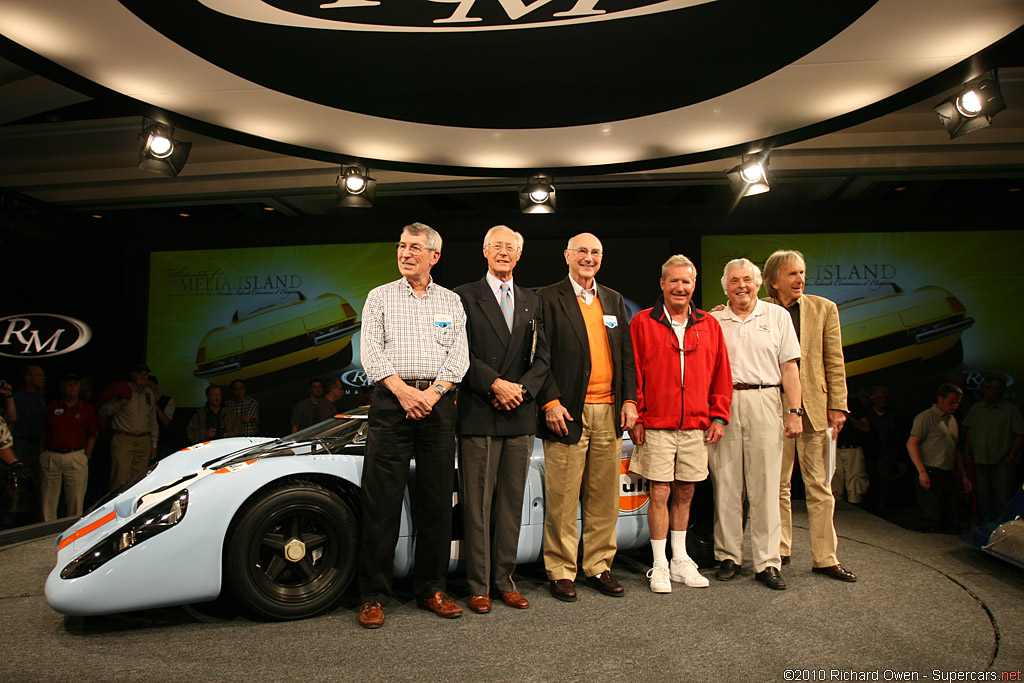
129, 455
810, 447
70, 470
749, 454
586, 472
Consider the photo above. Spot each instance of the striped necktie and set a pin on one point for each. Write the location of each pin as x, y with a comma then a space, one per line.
506, 306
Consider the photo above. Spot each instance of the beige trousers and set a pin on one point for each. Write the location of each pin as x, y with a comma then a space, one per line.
586, 472
749, 455
810, 447
67, 470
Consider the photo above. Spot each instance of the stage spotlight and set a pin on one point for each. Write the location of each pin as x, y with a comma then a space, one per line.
356, 188
973, 107
750, 177
160, 152
538, 195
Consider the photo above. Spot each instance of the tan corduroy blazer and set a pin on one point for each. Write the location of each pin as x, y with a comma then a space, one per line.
822, 368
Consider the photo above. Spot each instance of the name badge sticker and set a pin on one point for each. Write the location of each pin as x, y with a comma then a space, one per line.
611, 322
762, 327
58, 411
443, 321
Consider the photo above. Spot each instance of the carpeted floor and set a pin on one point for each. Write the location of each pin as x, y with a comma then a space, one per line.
924, 605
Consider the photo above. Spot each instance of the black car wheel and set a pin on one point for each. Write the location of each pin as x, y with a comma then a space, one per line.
292, 552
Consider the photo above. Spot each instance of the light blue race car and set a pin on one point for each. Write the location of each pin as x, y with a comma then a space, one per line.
275, 521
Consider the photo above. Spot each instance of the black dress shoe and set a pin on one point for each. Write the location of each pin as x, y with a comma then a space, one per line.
785, 559
606, 584
771, 578
727, 570
564, 590
837, 572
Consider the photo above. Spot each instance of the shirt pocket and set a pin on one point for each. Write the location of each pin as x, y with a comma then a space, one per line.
445, 336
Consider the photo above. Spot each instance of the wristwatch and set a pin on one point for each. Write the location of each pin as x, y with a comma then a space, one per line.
439, 388
799, 411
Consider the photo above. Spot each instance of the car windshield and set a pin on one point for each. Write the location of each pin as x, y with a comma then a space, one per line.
286, 298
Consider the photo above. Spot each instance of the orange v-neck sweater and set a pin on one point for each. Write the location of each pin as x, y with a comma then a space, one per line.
599, 389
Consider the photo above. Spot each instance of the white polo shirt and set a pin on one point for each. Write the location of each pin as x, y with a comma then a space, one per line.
760, 344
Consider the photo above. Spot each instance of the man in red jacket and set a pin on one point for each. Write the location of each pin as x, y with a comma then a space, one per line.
684, 388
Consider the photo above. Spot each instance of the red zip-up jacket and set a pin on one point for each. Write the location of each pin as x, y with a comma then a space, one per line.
661, 400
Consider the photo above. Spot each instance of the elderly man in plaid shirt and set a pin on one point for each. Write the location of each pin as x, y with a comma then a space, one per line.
414, 349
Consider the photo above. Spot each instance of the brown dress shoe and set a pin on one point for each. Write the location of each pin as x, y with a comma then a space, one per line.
564, 590
606, 584
481, 604
837, 572
514, 599
441, 605
786, 559
371, 615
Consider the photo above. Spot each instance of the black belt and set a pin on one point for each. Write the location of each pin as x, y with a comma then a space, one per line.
64, 451
419, 383
744, 387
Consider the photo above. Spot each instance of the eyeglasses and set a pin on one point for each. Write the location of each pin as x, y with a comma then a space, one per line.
583, 252
674, 342
503, 247
414, 249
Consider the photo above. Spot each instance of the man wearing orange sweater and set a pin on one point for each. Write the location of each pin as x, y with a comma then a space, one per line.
587, 402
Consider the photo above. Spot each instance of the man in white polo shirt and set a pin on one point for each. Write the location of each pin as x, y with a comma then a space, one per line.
763, 356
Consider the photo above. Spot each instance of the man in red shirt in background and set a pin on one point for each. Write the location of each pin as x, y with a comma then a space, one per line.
70, 432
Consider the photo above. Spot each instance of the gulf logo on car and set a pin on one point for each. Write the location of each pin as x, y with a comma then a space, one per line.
635, 491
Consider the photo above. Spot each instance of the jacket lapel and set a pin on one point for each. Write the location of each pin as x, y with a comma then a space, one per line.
492, 311
571, 308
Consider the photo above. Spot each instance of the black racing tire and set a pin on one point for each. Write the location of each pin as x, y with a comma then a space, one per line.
312, 524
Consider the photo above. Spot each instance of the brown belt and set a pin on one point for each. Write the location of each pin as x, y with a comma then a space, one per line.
744, 387
419, 383
121, 431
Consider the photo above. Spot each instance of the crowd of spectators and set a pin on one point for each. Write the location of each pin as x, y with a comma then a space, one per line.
61, 451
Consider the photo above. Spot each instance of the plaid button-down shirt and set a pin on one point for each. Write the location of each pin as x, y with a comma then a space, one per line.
247, 406
414, 337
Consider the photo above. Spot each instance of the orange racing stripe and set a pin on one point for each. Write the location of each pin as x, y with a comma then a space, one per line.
87, 530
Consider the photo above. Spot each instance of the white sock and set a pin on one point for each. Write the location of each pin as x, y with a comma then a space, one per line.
659, 550
678, 545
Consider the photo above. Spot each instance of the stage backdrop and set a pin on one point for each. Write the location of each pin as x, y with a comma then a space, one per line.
916, 308
275, 316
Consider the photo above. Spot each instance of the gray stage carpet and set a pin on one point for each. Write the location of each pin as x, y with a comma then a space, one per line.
924, 606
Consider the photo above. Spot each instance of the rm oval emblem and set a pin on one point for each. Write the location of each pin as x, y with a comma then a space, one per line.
467, 15
39, 335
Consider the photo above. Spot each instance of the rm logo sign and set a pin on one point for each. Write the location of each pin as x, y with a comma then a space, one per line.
38, 335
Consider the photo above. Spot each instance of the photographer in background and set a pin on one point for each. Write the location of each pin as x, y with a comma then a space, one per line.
214, 420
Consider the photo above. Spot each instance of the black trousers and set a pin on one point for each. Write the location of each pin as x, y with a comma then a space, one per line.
939, 504
392, 442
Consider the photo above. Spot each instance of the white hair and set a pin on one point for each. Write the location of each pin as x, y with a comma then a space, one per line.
741, 264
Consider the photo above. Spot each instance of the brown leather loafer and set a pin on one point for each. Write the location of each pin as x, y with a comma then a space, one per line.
837, 572
371, 615
481, 604
441, 605
564, 590
786, 559
606, 584
514, 599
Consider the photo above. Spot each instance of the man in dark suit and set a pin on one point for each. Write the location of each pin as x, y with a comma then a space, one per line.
508, 364
589, 399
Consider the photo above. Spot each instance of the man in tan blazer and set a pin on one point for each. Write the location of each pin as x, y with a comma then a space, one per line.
823, 384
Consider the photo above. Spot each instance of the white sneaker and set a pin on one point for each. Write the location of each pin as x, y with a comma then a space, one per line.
685, 571
658, 574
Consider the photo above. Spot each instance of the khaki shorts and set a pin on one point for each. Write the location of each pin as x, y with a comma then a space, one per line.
671, 455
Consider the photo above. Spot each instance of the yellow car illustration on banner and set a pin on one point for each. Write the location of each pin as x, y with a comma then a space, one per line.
267, 338
889, 327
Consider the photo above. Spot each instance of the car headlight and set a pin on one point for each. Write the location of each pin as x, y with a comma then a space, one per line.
151, 523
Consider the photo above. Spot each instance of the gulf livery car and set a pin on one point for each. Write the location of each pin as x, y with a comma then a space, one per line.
887, 327
273, 521
277, 336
